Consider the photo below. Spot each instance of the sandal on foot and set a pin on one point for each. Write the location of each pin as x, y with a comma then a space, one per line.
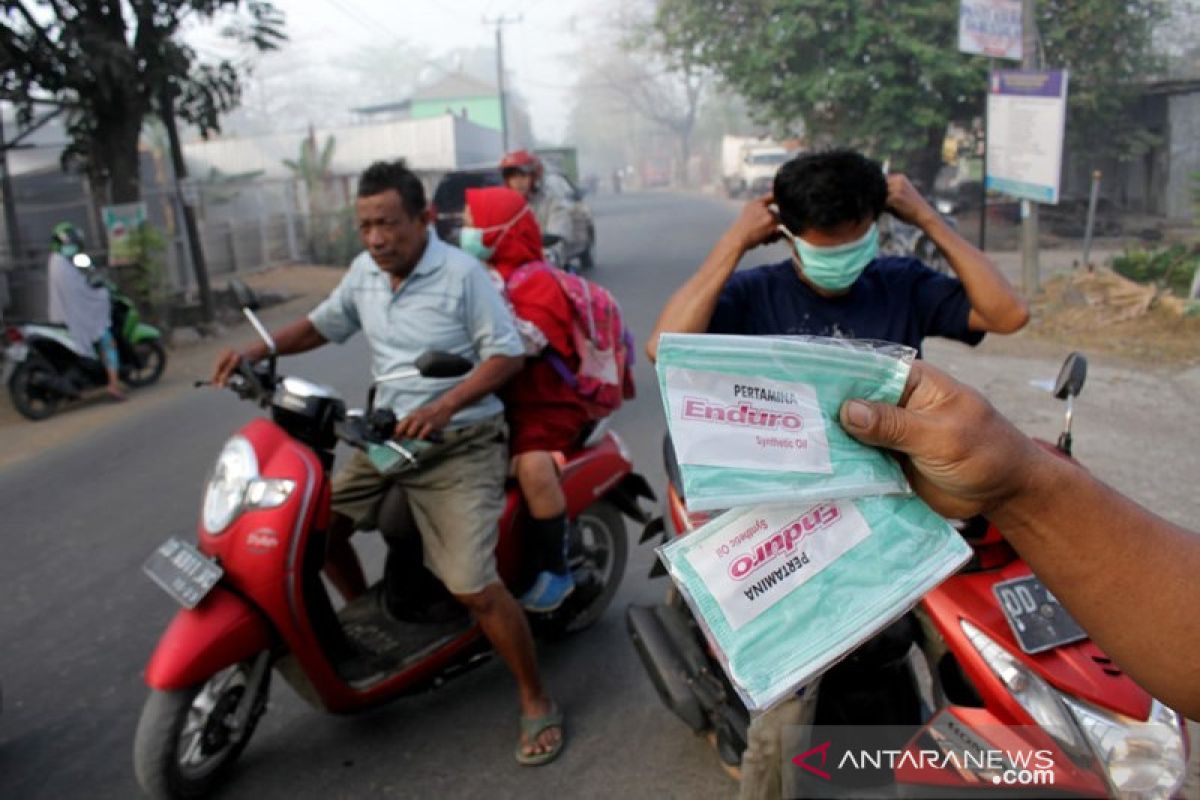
531, 729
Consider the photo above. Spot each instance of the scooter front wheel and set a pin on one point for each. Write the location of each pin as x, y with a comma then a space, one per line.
188, 739
152, 360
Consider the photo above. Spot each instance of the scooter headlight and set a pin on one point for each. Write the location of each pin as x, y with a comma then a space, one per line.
1145, 760
944, 207
1034, 694
235, 486
1141, 759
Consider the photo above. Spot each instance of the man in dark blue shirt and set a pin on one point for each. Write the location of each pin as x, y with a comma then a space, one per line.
835, 284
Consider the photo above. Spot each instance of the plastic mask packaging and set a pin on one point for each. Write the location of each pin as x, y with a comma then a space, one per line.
754, 419
783, 593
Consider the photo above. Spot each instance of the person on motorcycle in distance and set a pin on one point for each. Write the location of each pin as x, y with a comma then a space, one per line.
84, 308
409, 292
544, 414
826, 205
524, 173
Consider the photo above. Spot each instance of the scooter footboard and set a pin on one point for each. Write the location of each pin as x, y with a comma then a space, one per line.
223, 630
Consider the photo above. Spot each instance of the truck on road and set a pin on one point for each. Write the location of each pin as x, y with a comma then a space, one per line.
749, 163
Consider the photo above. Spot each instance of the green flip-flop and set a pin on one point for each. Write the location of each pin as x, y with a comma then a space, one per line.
532, 728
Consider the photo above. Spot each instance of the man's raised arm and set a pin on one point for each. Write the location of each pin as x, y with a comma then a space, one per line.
691, 307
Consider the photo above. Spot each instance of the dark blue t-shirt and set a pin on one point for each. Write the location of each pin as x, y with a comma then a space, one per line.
897, 299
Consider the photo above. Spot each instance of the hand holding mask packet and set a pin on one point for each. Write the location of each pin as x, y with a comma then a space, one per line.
783, 593
754, 419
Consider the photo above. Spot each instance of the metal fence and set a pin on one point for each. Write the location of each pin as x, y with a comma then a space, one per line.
245, 224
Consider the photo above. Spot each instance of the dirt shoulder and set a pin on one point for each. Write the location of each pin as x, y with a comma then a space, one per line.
189, 359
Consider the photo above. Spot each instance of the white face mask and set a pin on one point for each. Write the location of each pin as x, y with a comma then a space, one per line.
785, 592
470, 238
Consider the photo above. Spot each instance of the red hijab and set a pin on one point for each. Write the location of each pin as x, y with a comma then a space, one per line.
521, 242
539, 298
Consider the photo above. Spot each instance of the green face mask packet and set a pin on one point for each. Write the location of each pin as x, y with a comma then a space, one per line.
785, 592
754, 419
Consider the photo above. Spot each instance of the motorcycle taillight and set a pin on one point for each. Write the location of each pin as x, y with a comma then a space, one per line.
13, 335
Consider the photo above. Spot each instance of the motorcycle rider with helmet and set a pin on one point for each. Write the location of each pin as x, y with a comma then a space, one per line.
524, 173
84, 308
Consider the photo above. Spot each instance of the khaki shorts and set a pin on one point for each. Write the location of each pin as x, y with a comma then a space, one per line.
456, 494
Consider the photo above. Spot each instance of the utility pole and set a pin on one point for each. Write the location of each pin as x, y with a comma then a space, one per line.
1030, 60
500, 22
11, 227
191, 234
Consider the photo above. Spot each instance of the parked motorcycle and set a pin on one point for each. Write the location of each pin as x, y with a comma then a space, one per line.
898, 238
1012, 657
253, 597
48, 367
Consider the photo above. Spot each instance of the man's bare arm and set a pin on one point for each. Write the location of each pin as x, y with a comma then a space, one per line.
1126, 575
691, 308
298, 337
995, 305
485, 379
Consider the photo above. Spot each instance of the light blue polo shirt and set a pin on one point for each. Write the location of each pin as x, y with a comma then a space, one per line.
447, 302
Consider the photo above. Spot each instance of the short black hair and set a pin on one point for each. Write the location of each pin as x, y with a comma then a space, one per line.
826, 189
384, 175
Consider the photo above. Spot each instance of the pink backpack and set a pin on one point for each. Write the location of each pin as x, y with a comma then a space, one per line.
604, 378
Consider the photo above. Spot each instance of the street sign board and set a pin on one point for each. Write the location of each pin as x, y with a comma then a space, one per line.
990, 28
120, 222
1027, 117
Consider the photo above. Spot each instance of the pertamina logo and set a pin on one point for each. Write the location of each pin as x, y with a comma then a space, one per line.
785, 542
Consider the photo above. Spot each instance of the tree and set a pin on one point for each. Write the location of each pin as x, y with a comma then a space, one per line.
1108, 48
888, 78
111, 63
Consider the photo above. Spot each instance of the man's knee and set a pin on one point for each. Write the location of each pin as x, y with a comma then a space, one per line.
484, 602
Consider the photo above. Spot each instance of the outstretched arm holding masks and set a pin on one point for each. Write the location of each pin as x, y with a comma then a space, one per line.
1126, 575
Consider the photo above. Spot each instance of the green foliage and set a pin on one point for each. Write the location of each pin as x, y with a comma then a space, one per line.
314, 166
331, 233
1107, 47
1172, 267
887, 77
108, 65
884, 77
145, 280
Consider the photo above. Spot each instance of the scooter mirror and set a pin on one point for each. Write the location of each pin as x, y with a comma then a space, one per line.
439, 364
244, 295
1071, 377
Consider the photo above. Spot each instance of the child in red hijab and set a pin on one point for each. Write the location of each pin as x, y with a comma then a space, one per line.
544, 413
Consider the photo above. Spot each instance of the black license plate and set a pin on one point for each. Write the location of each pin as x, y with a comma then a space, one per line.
182, 571
1036, 617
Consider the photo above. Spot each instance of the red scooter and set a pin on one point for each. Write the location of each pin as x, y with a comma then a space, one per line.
1012, 665
254, 600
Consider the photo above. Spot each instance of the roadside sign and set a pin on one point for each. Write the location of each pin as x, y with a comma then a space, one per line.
120, 222
1027, 117
990, 28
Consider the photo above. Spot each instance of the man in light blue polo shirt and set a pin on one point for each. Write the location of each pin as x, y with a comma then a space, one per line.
408, 293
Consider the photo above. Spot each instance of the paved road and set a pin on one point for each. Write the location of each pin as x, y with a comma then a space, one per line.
78, 619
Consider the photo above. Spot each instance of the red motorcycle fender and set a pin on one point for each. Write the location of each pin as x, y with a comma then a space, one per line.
223, 630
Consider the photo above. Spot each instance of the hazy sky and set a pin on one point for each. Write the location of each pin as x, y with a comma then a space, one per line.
538, 50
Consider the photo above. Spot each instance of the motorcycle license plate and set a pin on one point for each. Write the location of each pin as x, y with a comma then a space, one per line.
1037, 619
182, 571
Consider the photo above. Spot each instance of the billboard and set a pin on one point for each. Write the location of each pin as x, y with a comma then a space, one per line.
990, 28
1027, 117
